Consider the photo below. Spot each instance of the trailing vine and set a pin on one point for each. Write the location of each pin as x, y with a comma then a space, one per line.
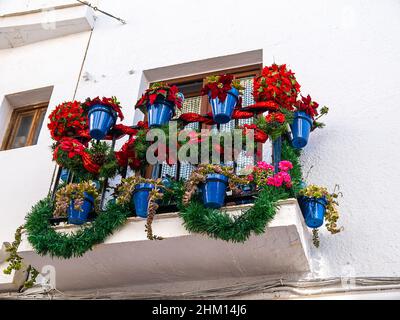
15, 260
125, 190
75, 192
199, 176
332, 213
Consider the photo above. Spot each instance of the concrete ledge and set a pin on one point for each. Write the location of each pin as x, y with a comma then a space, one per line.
21, 29
129, 258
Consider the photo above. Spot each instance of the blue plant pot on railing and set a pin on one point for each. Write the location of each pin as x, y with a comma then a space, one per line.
140, 198
313, 210
222, 111
160, 112
64, 174
101, 119
79, 217
301, 128
214, 190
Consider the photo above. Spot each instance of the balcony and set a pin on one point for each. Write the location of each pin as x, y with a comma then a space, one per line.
128, 258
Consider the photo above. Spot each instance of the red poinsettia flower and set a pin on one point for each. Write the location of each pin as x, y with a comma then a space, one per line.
308, 106
275, 117
110, 102
277, 84
67, 120
143, 124
160, 90
72, 146
218, 86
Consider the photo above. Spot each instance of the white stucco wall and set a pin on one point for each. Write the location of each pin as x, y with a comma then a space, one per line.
345, 54
26, 172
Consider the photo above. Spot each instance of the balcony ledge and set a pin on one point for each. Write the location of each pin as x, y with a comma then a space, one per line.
29, 27
129, 258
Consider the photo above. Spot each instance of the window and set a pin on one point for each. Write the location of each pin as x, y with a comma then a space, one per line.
24, 127
194, 102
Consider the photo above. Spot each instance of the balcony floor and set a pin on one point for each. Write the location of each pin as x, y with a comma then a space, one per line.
128, 258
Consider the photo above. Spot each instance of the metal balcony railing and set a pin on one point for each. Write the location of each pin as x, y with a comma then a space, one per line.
247, 195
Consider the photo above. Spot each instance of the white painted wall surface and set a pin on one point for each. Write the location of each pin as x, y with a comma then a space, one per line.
26, 172
345, 54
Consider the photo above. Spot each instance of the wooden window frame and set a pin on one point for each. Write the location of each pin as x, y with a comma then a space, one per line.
205, 107
15, 120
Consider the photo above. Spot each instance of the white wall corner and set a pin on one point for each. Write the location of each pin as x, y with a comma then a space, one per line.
30, 27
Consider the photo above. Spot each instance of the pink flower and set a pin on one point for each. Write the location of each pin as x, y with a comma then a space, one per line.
250, 177
284, 175
285, 166
279, 179
271, 181
265, 166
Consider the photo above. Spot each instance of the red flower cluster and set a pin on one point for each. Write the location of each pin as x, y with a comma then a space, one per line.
160, 90
259, 135
143, 124
109, 102
264, 106
73, 148
218, 86
277, 84
275, 117
127, 155
308, 106
68, 119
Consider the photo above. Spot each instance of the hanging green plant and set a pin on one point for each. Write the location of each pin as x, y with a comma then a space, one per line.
199, 176
125, 192
75, 192
331, 213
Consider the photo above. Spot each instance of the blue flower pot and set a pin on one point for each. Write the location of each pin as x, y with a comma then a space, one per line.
160, 113
222, 111
214, 190
64, 174
313, 210
101, 119
301, 128
140, 198
79, 217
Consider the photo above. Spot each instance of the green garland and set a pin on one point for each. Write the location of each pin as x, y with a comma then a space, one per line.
45, 240
220, 225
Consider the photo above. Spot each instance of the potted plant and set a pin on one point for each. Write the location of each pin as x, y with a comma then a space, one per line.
86, 163
278, 85
159, 102
304, 121
223, 93
76, 200
213, 181
318, 204
263, 174
69, 119
143, 194
102, 115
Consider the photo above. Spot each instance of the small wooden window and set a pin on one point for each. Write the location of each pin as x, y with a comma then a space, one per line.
24, 127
